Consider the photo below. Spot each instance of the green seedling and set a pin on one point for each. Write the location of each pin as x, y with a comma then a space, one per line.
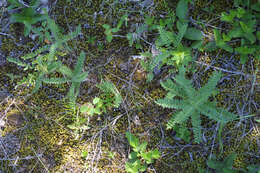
96, 107
139, 158
109, 30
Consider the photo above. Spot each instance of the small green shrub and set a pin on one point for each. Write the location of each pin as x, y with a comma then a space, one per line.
139, 158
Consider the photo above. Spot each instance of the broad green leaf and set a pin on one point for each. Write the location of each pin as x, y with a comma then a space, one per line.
245, 50
251, 37
150, 155
210, 46
109, 38
197, 44
142, 147
240, 12
228, 17
193, 34
212, 164
243, 58
14, 4
182, 10
114, 30
229, 160
247, 27
217, 35
96, 100
133, 141
131, 167
226, 37
235, 32
133, 156
84, 108
106, 26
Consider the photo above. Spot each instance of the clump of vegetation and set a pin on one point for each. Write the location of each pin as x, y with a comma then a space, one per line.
135, 164
170, 40
243, 22
28, 15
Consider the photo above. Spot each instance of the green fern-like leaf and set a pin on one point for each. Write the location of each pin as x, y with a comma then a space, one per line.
166, 38
182, 27
76, 77
109, 87
193, 103
66, 71
55, 80
16, 61
80, 63
35, 53
170, 103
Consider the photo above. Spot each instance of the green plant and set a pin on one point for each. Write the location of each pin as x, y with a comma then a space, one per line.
84, 154
182, 132
111, 95
75, 77
139, 158
182, 96
225, 166
96, 107
243, 22
44, 61
170, 49
79, 125
28, 15
110, 98
109, 31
